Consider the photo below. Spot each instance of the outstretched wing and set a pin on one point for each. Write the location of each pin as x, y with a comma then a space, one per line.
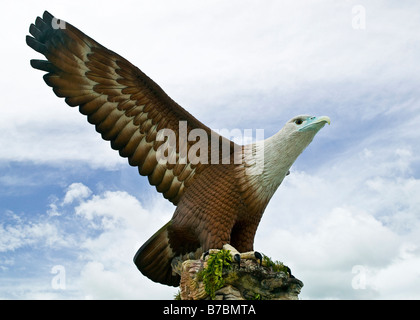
126, 106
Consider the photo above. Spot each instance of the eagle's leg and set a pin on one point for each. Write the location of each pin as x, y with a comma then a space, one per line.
237, 256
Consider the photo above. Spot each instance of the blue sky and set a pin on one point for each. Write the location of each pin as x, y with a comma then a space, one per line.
346, 220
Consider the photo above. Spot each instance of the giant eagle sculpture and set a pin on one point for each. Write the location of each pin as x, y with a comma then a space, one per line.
219, 195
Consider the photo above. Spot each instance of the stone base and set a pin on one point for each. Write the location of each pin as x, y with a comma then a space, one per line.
249, 281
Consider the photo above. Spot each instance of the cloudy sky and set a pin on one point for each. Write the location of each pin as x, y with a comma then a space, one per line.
347, 218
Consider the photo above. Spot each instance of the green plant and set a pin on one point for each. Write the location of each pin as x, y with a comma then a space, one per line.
177, 296
257, 296
212, 275
276, 266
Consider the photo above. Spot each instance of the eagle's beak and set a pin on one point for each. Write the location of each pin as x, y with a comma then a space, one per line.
315, 123
322, 119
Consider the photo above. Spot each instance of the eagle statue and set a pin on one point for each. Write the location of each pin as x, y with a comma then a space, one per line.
219, 193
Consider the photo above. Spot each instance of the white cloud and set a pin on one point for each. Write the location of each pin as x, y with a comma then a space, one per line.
359, 209
76, 191
15, 236
108, 271
122, 224
403, 273
103, 231
113, 205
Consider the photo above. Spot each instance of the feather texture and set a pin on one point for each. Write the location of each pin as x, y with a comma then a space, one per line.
217, 201
118, 98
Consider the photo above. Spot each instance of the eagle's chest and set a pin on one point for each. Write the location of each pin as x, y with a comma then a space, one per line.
214, 198
215, 189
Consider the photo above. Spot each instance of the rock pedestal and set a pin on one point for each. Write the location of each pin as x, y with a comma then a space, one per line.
249, 281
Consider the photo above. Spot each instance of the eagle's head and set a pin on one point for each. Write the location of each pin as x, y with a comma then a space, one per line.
300, 131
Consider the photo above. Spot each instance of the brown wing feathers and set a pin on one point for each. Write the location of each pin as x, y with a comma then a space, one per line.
128, 109
125, 105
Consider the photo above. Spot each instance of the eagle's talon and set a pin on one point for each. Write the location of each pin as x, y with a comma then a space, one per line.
237, 258
258, 256
205, 254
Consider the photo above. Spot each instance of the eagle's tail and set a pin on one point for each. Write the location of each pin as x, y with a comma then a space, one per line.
154, 258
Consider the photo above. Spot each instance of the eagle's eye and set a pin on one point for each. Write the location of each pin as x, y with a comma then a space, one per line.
298, 121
